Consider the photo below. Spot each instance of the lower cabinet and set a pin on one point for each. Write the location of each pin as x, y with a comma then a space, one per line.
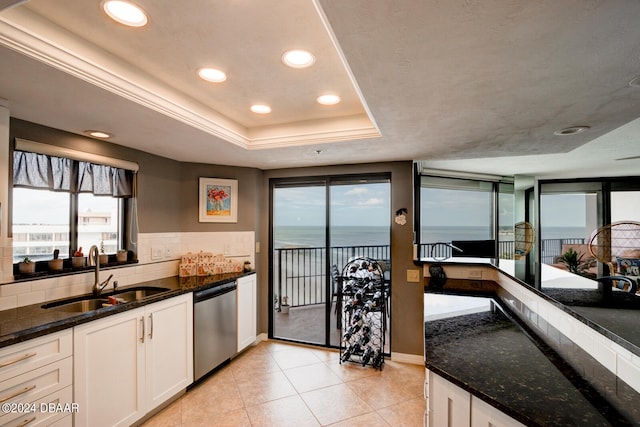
246, 311
450, 405
129, 363
36, 381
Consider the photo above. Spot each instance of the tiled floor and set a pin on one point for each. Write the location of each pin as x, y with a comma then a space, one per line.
280, 384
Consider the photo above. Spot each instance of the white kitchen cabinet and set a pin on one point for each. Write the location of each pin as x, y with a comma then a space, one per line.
34, 373
450, 405
169, 352
246, 311
129, 363
485, 415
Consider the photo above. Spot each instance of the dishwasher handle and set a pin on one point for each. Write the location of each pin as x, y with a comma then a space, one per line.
214, 291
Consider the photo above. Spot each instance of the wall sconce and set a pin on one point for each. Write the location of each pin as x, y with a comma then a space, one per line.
401, 216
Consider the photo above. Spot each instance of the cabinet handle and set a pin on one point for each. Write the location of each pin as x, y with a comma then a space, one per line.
17, 393
27, 421
143, 332
16, 360
151, 326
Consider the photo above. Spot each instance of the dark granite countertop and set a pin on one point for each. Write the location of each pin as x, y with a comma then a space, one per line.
24, 323
492, 357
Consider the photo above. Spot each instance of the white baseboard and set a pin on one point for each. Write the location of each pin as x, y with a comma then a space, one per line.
414, 359
262, 337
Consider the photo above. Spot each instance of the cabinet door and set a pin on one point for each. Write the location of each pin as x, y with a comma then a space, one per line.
169, 351
246, 311
109, 370
449, 404
483, 414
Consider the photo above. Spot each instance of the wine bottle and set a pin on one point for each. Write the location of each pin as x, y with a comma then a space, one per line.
357, 316
366, 356
349, 306
364, 339
377, 358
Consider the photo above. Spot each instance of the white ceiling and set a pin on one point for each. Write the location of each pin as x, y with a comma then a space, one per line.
471, 86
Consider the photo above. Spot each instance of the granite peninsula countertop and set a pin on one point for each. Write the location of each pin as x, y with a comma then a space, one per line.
32, 321
492, 357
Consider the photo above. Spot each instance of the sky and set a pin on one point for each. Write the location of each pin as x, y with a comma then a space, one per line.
49, 207
351, 205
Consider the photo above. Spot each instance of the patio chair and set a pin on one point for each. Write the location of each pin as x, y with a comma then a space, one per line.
617, 246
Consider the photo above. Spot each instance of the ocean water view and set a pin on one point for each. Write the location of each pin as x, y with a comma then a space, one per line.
314, 237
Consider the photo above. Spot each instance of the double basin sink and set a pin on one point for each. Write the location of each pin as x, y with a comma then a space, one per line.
87, 303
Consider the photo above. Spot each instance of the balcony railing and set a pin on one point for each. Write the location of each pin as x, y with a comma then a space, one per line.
300, 274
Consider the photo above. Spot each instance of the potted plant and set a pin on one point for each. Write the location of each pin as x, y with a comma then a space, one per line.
77, 260
572, 260
104, 258
284, 308
121, 255
26, 266
56, 263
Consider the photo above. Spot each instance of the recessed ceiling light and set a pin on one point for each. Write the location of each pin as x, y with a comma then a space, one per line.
328, 99
571, 130
298, 58
98, 134
635, 82
261, 109
212, 75
125, 13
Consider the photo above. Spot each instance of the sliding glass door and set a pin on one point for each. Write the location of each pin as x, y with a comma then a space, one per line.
316, 225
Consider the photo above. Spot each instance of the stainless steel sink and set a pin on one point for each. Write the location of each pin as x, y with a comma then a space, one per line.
86, 303
135, 294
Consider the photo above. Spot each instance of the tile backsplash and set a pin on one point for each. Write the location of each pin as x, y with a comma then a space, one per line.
158, 255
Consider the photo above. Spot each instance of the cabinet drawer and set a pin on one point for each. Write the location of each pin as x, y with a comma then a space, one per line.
51, 414
35, 385
32, 354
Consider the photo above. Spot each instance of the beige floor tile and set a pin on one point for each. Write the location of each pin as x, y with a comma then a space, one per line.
237, 418
311, 377
169, 417
352, 371
408, 413
382, 391
217, 395
367, 420
335, 403
264, 387
252, 364
280, 384
290, 411
294, 357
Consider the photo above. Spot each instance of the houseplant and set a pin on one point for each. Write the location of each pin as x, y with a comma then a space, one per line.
26, 266
284, 308
104, 258
77, 260
572, 259
121, 255
56, 263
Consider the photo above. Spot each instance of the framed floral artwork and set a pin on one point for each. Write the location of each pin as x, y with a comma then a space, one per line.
218, 200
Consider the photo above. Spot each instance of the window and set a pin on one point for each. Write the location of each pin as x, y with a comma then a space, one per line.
453, 209
63, 204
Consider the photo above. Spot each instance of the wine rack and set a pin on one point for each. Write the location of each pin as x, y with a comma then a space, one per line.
364, 293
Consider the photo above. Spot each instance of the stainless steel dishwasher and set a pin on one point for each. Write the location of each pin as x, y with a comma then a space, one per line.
214, 327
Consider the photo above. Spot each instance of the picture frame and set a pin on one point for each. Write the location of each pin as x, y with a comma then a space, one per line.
218, 200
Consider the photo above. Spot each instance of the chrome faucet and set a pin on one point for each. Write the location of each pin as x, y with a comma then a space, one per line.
95, 258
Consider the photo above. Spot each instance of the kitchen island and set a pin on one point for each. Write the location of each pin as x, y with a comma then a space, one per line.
496, 358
